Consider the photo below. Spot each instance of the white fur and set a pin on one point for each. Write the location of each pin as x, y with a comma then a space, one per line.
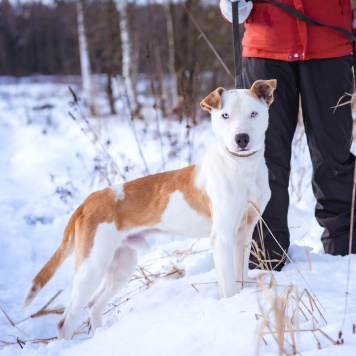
179, 218
119, 192
233, 181
229, 182
89, 275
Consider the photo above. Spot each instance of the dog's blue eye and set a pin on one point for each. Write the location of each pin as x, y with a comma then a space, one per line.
253, 114
225, 116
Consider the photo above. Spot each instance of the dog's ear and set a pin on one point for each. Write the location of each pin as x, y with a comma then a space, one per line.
264, 89
213, 100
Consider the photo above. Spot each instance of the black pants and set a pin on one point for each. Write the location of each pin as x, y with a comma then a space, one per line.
320, 84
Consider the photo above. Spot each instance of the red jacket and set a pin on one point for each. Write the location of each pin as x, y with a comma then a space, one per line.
273, 33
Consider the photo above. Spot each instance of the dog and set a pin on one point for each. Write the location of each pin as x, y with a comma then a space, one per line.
210, 198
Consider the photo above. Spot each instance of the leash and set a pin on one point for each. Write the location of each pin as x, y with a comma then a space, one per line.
237, 45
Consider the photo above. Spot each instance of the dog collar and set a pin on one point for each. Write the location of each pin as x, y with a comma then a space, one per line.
238, 155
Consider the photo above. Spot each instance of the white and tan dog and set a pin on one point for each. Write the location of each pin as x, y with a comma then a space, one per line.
209, 198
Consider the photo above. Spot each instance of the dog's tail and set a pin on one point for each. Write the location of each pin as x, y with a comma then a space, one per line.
48, 270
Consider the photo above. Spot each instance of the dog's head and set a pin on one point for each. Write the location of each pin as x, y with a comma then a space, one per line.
240, 117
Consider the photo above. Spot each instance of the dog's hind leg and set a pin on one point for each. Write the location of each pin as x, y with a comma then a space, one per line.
117, 275
90, 272
86, 281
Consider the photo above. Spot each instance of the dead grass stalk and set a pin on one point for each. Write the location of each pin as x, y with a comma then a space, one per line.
280, 314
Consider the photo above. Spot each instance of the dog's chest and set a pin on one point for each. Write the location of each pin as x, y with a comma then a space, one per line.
243, 193
234, 184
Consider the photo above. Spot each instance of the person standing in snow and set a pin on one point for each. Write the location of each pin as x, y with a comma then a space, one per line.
314, 63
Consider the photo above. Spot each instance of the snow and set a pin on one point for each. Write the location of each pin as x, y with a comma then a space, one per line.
49, 163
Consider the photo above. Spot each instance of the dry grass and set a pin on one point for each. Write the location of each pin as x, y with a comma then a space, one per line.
281, 308
264, 262
261, 255
143, 277
281, 313
299, 182
26, 338
352, 101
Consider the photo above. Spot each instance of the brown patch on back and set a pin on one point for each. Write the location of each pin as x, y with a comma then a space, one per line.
144, 202
146, 198
195, 197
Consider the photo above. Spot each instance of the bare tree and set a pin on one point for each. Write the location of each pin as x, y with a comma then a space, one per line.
25, 48
84, 60
112, 33
171, 55
126, 57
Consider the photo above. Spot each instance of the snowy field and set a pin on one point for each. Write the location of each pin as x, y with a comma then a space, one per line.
49, 162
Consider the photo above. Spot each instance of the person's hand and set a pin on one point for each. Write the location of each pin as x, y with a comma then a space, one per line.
244, 9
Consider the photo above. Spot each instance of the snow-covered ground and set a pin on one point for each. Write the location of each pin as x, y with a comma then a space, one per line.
50, 162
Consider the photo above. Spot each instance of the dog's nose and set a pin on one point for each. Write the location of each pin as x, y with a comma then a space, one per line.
242, 140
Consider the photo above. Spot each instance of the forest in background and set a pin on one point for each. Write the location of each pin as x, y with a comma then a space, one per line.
42, 38
39, 38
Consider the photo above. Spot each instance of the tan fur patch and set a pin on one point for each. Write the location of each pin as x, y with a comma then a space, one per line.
263, 89
99, 207
143, 205
48, 270
213, 100
195, 197
146, 198
248, 220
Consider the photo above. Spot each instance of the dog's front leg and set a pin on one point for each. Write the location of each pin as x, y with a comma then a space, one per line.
222, 244
242, 249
